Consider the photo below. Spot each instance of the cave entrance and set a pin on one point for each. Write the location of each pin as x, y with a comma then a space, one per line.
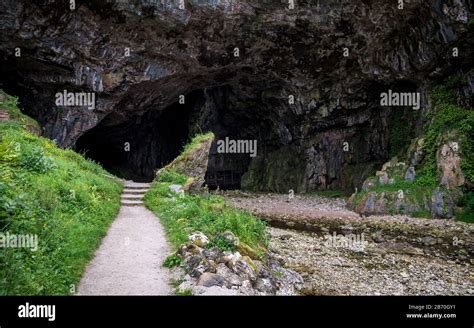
135, 148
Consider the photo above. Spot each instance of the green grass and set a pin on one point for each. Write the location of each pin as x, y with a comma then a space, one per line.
195, 141
421, 214
57, 195
184, 214
185, 292
467, 204
10, 105
329, 193
171, 176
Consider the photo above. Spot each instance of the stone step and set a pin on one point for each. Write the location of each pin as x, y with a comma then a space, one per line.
137, 184
132, 197
136, 187
134, 191
131, 202
4, 115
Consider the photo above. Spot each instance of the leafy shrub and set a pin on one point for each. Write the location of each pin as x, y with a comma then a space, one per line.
172, 261
34, 160
467, 202
447, 115
222, 243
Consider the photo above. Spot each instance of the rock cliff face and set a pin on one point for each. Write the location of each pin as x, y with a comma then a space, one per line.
239, 64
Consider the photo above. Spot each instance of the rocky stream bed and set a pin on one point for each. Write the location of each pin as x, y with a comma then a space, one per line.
338, 252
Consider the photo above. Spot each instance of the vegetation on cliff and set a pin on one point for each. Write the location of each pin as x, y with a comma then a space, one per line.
448, 115
57, 198
447, 121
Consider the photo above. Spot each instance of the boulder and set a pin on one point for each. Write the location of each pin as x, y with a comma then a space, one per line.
383, 177
245, 268
199, 239
208, 279
265, 285
248, 251
448, 162
228, 275
410, 174
230, 237
442, 205
177, 189
213, 291
214, 254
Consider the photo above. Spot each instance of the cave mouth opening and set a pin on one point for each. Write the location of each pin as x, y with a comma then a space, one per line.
134, 147
139, 145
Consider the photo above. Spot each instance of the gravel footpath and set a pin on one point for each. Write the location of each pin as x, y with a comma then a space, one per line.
129, 260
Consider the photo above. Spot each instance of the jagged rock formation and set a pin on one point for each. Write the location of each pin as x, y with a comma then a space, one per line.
192, 163
192, 52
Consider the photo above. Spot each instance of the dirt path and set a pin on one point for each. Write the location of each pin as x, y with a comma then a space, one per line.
129, 260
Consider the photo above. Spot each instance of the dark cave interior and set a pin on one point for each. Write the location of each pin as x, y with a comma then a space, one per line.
138, 146
134, 149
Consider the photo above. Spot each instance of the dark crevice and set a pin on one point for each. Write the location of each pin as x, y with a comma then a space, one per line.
135, 149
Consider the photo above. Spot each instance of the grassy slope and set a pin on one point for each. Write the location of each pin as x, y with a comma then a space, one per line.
56, 194
206, 213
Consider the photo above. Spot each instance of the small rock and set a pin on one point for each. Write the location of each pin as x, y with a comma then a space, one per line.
324, 230
213, 254
208, 279
192, 262
410, 174
243, 269
213, 291
230, 237
429, 241
248, 251
228, 275
285, 237
265, 285
177, 189
199, 239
